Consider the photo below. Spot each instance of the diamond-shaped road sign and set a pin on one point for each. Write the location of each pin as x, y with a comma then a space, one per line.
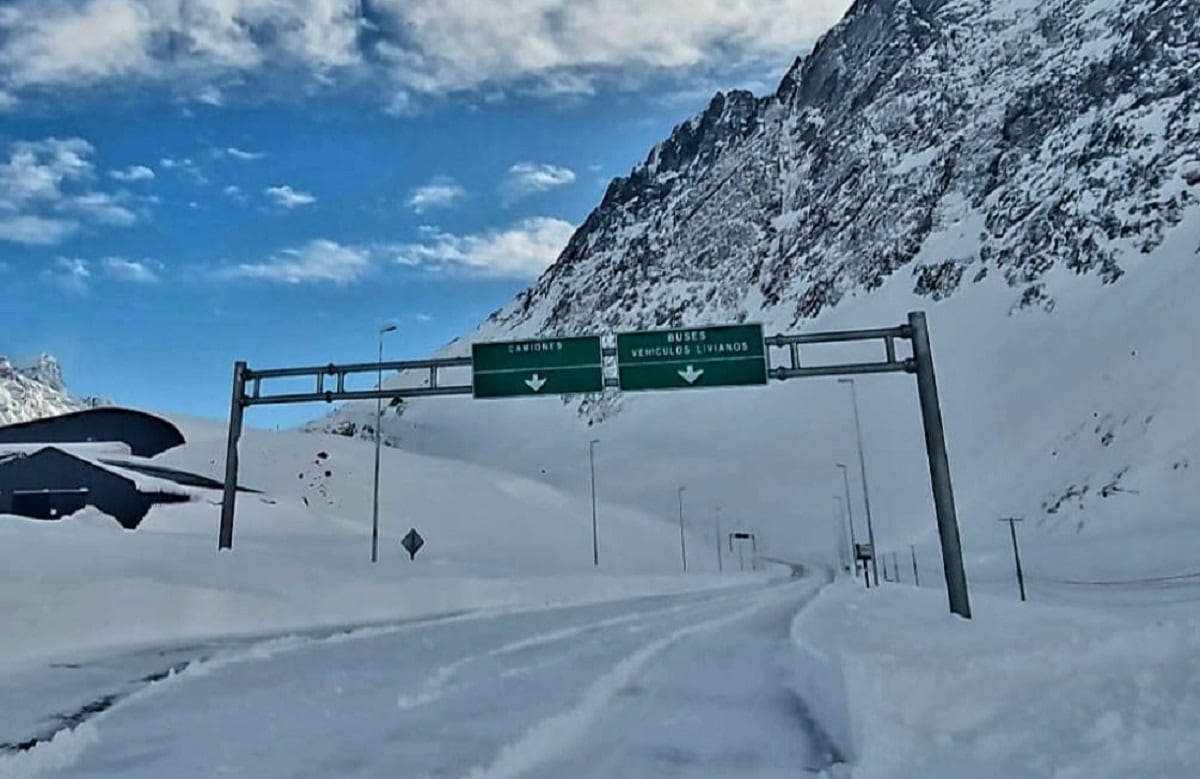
412, 542
545, 366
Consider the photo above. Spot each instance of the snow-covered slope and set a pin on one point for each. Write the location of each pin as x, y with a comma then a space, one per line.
34, 390
301, 554
1028, 172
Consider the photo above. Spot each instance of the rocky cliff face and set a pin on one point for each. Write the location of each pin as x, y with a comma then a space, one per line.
35, 389
946, 140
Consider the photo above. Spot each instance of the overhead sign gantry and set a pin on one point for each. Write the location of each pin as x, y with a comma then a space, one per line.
684, 358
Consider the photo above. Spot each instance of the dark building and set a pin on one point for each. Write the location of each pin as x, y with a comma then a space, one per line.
51, 483
145, 434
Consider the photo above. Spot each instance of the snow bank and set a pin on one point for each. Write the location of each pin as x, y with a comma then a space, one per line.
905, 689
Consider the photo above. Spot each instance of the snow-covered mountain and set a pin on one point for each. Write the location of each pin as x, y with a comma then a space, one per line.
1027, 171
35, 389
1051, 134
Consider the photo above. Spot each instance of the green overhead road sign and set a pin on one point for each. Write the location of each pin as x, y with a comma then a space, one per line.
548, 366
722, 356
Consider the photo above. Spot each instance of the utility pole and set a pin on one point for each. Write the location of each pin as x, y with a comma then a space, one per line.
862, 464
378, 439
595, 534
850, 515
717, 522
682, 538
916, 576
1012, 527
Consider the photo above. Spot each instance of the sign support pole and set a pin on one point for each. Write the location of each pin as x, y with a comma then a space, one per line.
717, 521
236, 410
939, 467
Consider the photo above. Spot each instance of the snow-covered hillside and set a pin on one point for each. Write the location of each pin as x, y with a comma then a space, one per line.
34, 390
1026, 172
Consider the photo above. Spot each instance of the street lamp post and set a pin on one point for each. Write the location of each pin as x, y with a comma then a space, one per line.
682, 539
595, 534
848, 561
862, 464
850, 515
378, 438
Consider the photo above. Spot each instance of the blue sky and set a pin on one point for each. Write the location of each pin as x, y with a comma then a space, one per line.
186, 184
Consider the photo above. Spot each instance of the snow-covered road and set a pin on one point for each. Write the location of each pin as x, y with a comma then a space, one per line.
694, 685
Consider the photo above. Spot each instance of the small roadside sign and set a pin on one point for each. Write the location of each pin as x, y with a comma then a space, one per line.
412, 543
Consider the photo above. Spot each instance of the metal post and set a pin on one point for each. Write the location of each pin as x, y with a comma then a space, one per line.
939, 467
1012, 527
895, 568
229, 498
717, 521
378, 442
753, 552
845, 556
862, 464
916, 576
682, 540
850, 515
595, 533
741, 557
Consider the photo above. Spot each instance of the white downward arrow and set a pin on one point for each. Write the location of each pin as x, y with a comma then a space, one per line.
535, 383
691, 374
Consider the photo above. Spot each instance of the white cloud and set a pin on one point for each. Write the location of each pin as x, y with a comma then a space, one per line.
75, 275
70, 274
102, 208
235, 193
36, 230
421, 316
526, 178
522, 250
202, 48
286, 197
8, 101
46, 194
240, 154
133, 173
138, 271
563, 45
441, 192
316, 261
37, 170
210, 95
51, 43
185, 166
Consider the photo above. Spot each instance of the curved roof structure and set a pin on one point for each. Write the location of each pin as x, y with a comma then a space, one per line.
146, 435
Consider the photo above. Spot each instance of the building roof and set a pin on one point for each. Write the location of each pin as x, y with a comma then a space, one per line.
146, 434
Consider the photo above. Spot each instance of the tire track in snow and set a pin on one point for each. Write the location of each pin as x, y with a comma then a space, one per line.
437, 686
557, 735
